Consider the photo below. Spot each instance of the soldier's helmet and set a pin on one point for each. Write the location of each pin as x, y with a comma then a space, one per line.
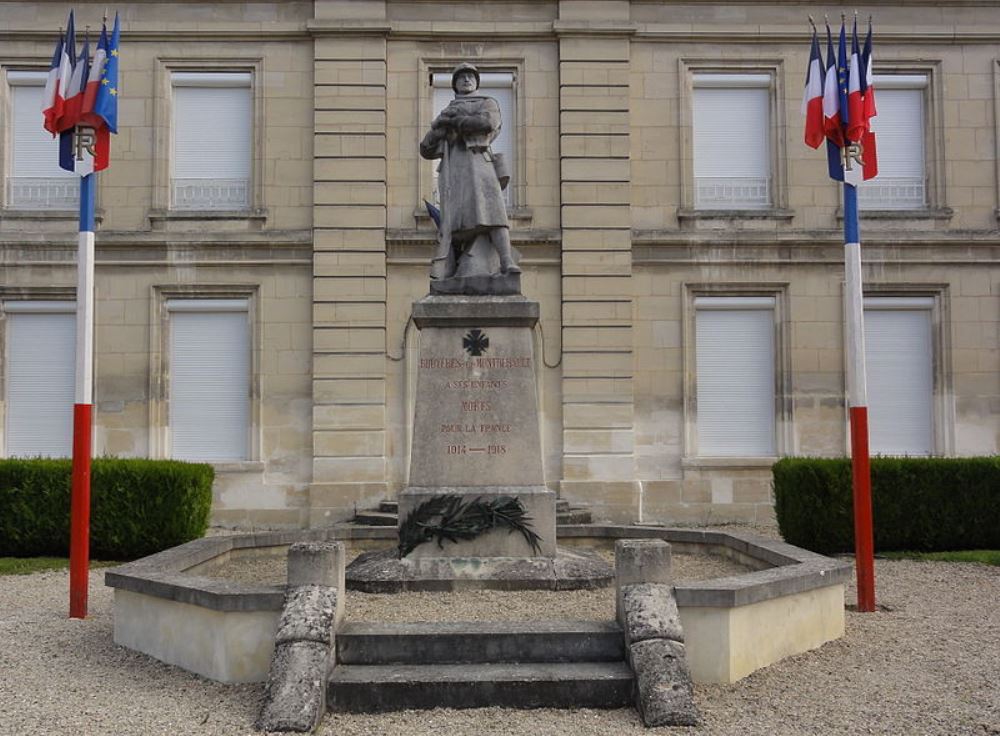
464, 67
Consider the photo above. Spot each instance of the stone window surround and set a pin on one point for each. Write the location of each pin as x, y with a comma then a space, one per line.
934, 161
163, 136
23, 293
159, 365
943, 407
425, 104
996, 124
774, 68
783, 435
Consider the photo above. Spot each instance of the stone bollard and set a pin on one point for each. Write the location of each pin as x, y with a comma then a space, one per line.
318, 563
304, 646
639, 561
654, 638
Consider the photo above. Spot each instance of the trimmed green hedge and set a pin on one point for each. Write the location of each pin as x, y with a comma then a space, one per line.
921, 504
137, 507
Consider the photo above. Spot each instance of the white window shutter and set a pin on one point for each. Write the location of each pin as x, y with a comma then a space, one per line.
36, 181
732, 153
40, 380
212, 144
899, 140
735, 378
900, 379
209, 383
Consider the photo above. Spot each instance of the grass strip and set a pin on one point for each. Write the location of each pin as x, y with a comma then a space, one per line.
983, 556
28, 565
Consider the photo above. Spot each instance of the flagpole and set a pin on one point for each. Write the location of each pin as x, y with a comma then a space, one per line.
857, 394
79, 544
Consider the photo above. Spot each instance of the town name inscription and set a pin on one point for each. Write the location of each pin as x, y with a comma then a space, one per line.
483, 417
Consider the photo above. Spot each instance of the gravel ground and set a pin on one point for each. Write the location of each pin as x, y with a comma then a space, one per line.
930, 664
479, 605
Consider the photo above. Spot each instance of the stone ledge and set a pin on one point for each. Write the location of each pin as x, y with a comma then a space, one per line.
475, 311
794, 570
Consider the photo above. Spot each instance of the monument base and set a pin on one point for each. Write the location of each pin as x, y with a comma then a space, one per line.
538, 501
570, 569
479, 285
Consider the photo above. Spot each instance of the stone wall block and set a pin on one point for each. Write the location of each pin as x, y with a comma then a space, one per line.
651, 613
665, 694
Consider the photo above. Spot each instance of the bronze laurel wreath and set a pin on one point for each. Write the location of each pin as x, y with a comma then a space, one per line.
447, 517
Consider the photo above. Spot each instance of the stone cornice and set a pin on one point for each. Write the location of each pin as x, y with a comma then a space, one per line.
593, 28
683, 33
348, 27
160, 249
821, 252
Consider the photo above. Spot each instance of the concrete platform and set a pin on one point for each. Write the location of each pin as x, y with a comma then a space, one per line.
570, 569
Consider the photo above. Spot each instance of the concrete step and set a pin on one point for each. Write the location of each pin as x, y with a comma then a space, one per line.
391, 518
574, 516
376, 518
493, 642
562, 507
381, 688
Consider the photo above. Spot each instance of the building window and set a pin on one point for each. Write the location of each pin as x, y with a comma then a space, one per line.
900, 138
900, 372
209, 407
731, 122
735, 373
499, 86
41, 340
212, 140
35, 180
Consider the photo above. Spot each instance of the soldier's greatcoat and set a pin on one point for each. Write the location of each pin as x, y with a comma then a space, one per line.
471, 199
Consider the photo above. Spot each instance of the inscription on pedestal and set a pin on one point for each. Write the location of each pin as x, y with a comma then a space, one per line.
477, 421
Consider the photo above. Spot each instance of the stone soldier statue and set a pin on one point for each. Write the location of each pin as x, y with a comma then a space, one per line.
474, 232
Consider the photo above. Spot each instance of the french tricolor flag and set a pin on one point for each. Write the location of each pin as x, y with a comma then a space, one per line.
51, 102
812, 97
831, 103
75, 90
857, 121
54, 101
96, 74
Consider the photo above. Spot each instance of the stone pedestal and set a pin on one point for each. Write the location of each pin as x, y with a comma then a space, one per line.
476, 435
475, 427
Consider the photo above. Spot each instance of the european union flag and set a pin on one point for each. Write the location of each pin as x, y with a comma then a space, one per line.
106, 101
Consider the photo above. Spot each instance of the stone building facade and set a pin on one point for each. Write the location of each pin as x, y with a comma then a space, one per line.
648, 269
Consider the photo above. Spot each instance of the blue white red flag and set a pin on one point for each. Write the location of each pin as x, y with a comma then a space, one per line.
831, 106
67, 59
868, 99
74, 92
857, 123
51, 102
96, 73
845, 118
74, 107
812, 97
